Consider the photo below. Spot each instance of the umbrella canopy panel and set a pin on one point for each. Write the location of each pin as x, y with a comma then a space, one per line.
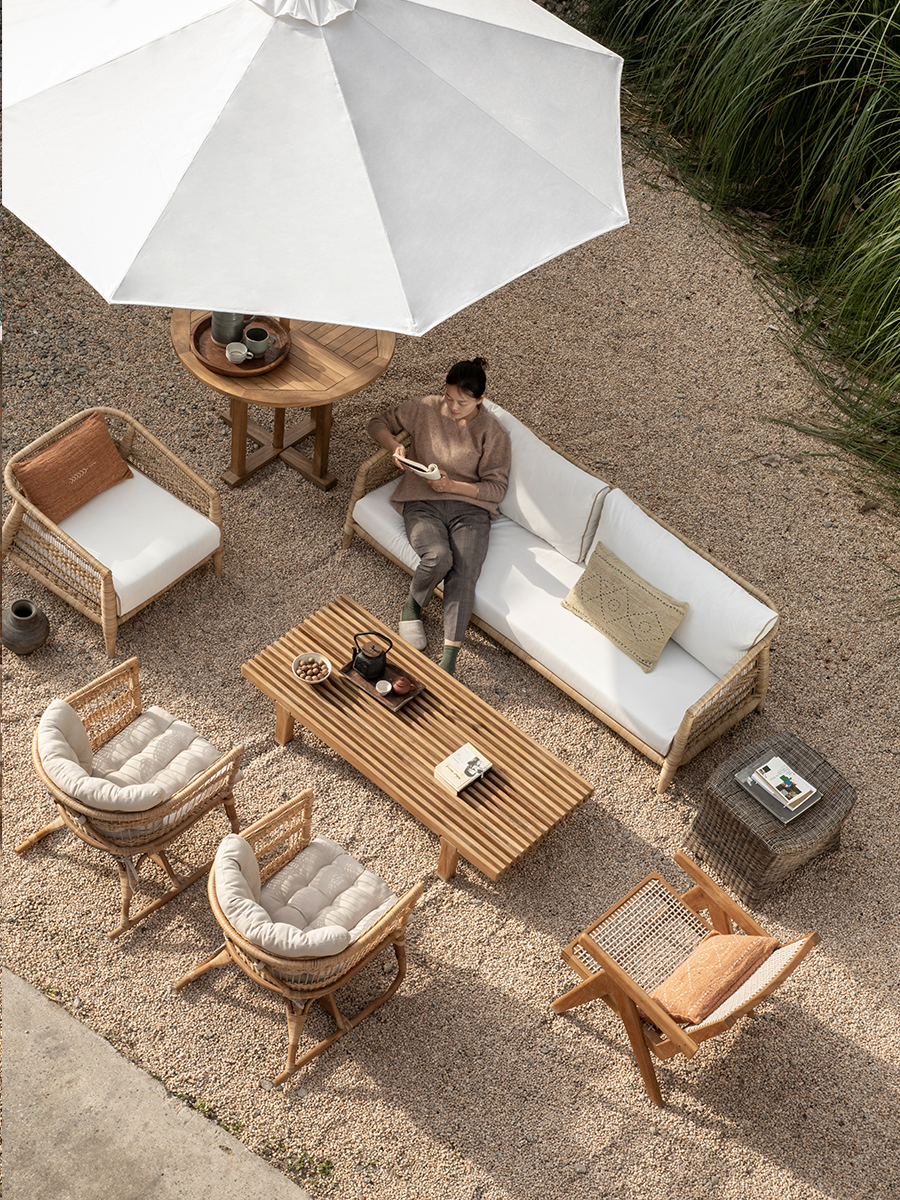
382, 163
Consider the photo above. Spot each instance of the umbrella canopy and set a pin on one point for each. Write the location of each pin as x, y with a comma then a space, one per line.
380, 163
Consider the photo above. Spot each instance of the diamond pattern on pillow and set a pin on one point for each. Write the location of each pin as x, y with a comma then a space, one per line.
634, 615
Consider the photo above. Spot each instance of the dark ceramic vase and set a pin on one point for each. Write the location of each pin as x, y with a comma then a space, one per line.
25, 627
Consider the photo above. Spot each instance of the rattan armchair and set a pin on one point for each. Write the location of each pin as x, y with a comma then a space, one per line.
110, 708
277, 841
637, 944
50, 555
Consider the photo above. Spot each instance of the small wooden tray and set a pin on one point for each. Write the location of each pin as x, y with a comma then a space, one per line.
214, 357
391, 673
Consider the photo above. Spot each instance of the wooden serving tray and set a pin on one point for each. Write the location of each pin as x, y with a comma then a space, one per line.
391, 673
214, 357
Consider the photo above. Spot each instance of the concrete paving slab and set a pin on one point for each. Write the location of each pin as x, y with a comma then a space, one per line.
82, 1123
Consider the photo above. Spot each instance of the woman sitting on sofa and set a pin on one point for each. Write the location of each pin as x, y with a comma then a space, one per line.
447, 519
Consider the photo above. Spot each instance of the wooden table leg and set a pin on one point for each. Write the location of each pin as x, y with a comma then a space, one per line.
322, 418
314, 469
448, 860
238, 438
284, 724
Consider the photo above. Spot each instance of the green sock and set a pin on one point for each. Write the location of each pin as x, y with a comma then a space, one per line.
411, 610
448, 661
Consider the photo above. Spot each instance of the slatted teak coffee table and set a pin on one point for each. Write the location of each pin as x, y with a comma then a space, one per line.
495, 821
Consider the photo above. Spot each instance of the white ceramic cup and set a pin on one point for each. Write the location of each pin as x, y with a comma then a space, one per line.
237, 352
258, 340
383, 686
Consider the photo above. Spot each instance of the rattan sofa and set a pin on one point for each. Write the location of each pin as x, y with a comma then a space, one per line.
128, 545
710, 675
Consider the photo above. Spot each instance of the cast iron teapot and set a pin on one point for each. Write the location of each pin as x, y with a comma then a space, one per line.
369, 659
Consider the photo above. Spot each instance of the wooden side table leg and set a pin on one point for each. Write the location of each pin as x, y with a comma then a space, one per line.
448, 860
239, 411
278, 430
322, 420
284, 724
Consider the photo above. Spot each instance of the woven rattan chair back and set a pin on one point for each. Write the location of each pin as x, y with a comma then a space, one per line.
106, 707
640, 941
44, 551
276, 839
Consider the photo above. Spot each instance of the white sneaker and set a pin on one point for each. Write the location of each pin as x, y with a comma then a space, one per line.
414, 633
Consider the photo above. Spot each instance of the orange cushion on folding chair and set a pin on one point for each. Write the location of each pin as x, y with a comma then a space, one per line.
708, 976
72, 470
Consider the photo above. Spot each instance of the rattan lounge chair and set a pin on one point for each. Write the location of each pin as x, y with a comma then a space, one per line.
254, 878
130, 544
101, 735
640, 941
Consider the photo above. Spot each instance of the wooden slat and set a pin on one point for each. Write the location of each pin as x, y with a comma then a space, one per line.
496, 820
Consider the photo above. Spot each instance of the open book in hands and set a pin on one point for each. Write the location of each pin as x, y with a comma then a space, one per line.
418, 468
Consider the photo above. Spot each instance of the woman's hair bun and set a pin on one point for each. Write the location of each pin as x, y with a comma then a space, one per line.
480, 362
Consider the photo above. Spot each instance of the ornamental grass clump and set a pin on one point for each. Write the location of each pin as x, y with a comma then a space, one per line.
785, 117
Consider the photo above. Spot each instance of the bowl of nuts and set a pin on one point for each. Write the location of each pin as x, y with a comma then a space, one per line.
311, 667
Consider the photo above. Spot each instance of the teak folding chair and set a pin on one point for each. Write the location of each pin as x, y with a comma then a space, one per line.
640, 941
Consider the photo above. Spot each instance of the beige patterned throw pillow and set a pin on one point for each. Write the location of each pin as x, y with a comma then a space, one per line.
633, 614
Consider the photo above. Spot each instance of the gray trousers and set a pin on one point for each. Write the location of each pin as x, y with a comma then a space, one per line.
451, 539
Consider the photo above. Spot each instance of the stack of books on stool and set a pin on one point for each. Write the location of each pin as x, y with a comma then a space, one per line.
779, 788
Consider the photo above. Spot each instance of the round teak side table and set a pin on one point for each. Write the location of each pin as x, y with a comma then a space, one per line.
325, 363
751, 851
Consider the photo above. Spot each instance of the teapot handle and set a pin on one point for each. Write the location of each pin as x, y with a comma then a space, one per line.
373, 633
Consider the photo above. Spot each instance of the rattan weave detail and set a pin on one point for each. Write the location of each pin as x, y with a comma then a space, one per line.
650, 934
750, 850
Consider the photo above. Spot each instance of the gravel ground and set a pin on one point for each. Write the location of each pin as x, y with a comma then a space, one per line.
651, 355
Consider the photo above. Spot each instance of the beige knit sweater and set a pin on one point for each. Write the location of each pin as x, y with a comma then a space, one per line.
478, 454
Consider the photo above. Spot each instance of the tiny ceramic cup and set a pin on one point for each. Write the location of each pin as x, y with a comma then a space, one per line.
258, 340
383, 687
237, 352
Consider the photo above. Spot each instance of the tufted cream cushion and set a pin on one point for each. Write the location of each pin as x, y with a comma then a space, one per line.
314, 906
147, 762
548, 495
155, 748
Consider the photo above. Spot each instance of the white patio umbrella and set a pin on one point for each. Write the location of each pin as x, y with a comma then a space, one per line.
380, 163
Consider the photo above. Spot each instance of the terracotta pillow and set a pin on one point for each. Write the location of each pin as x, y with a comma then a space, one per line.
713, 971
634, 615
73, 470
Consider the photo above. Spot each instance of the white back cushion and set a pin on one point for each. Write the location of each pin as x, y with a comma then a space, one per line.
722, 622
547, 495
62, 738
145, 535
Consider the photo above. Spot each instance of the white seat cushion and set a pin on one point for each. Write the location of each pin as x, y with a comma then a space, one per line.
65, 753
520, 592
145, 535
722, 622
155, 748
316, 905
547, 494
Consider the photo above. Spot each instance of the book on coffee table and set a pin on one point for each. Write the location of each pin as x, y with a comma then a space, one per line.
461, 768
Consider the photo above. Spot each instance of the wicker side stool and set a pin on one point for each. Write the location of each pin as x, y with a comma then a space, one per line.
751, 851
